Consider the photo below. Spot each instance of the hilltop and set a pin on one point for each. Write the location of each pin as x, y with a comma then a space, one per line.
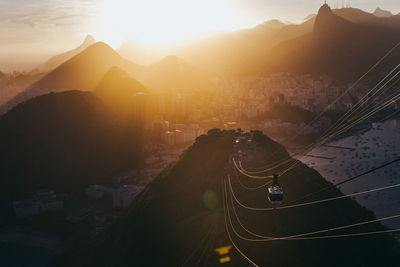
117, 90
64, 141
183, 205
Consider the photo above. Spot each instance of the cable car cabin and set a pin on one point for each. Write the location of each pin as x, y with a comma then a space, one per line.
275, 192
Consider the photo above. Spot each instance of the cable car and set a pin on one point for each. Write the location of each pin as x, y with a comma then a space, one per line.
275, 192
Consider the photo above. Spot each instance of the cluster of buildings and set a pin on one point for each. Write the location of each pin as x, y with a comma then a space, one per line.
279, 127
181, 133
183, 116
44, 200
175, 107
303, 91
14, 83
122, 195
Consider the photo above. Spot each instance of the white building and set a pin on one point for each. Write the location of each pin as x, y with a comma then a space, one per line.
95, 191
44, 201
123, 196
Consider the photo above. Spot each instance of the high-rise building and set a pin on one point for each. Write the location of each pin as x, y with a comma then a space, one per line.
139, 106
181, 108
161, 106
171, 109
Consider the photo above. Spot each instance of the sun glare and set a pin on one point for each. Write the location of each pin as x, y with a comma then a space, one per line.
164, 23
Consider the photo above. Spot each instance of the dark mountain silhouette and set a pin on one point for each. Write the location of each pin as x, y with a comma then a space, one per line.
382, 13
347, 36
354, 15
225, 52
288, 113
337, 48
117, 89
292, 31
327, 23
82, 72
57, 60
64, 141
184, 205
85, 71
361, 17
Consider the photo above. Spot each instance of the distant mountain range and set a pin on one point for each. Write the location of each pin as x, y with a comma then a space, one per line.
236, 51
340, 43
382, 13
337, 47
57, 60
87, 69
81, 72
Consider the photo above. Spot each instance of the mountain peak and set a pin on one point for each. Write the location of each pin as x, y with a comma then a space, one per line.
327, 22
89, 40
325, 10
101, 49
57, 60
382, 13
116, 72
117, 79
275, 23
171, 61
117, 89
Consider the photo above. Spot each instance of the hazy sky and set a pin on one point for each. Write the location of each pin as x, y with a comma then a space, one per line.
49, 26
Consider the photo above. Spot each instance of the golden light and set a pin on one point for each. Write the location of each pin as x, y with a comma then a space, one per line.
225, 259
223, 250
163, 23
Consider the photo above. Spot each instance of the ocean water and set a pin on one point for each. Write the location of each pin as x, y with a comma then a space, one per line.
357, 154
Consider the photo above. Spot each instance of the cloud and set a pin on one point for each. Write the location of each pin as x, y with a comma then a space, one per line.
46, 12
45, 22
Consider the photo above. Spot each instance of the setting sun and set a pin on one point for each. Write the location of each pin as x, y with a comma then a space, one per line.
163, 23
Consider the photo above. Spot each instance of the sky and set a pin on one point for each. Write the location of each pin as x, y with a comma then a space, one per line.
45, 27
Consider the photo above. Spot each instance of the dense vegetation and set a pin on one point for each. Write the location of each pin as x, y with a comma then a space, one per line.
289, 113
171, 217
64, 141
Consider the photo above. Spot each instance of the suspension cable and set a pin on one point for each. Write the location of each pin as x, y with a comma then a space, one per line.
252, 263
346, 181
347, 90
388, 101
304, 235
307, 203
250, 188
